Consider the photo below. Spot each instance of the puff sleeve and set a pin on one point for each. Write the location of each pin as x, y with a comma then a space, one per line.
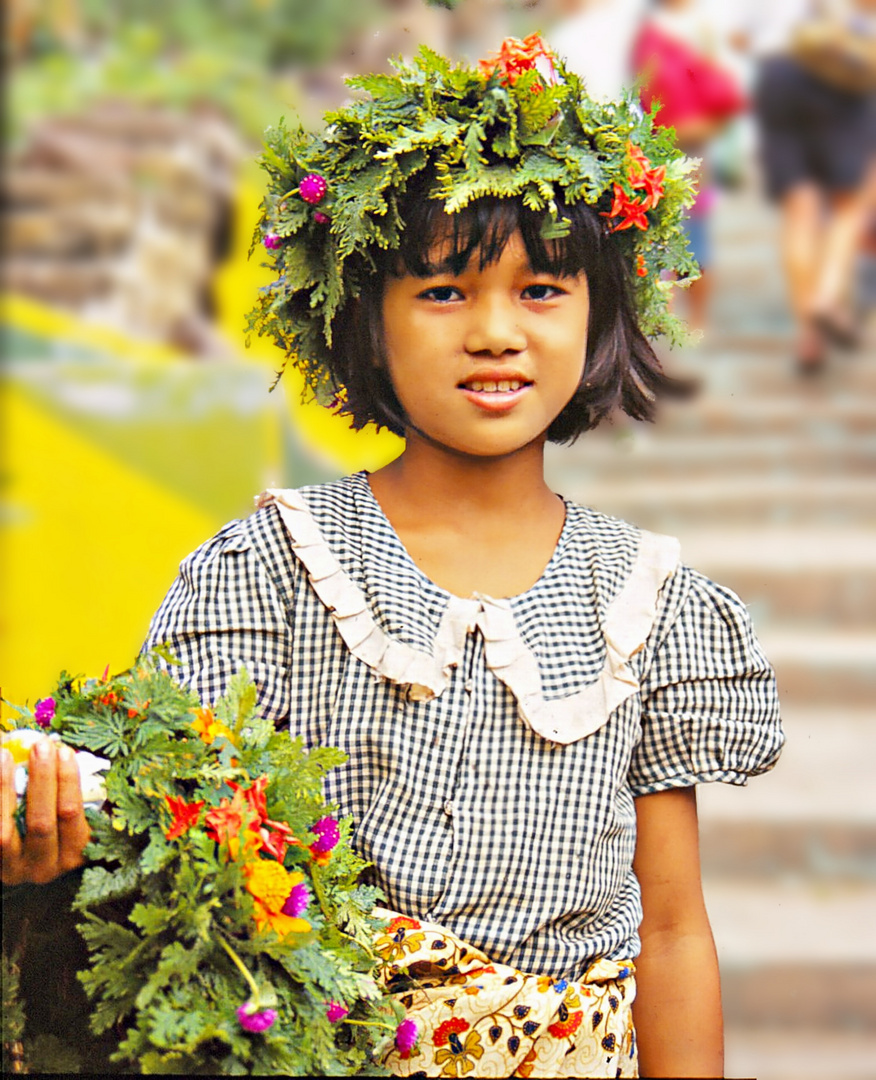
230, 607
710, 708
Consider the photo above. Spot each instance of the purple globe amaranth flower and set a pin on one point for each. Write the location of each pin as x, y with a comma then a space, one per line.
335, 1011
313, 188
320, 218
272, 241
44, 713
297, 901
255, 1020
406, 1035
327, 831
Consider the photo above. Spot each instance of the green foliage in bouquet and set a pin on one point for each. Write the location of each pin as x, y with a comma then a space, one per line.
226, 926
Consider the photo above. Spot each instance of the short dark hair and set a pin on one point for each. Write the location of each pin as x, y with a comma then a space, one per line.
621, 368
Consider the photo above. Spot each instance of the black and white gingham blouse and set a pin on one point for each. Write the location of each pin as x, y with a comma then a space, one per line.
495, 746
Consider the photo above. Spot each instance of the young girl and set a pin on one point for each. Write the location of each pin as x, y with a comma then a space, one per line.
528, 690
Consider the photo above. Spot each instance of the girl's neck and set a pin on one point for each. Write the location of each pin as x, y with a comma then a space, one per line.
430, 484
485, 525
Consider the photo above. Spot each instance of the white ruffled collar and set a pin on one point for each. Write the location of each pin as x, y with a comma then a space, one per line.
626, 625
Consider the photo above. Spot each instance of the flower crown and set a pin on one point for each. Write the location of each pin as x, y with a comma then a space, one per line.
520, 124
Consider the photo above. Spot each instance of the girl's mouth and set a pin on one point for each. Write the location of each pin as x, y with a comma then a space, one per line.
495, 395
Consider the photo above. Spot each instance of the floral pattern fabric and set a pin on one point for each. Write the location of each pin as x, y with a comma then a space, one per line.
476, 1018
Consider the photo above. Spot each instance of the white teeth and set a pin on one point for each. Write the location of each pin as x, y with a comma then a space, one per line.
490, 387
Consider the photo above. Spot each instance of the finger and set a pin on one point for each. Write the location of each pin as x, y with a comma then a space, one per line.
73, 831
41, 816
10, 841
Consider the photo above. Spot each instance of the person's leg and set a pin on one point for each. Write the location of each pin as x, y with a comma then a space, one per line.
802, 233
843, 232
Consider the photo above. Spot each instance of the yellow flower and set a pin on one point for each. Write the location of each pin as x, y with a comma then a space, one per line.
209, 728
454, 1057
270, 885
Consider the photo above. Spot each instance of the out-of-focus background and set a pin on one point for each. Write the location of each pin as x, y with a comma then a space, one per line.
135, 421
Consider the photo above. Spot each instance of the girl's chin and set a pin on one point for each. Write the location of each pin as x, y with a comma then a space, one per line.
495, 447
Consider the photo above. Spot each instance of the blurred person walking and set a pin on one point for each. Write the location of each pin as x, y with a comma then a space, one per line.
817, 135
677, 55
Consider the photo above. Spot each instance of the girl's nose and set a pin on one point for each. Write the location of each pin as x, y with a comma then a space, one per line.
494, 328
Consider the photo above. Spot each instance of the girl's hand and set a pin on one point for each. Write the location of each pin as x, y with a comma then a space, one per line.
57, 831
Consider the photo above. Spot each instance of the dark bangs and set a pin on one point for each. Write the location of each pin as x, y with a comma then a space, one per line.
621, 370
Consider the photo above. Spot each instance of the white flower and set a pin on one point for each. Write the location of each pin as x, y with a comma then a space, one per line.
19, 744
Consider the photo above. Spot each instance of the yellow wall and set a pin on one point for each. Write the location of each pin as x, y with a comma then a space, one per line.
92, 532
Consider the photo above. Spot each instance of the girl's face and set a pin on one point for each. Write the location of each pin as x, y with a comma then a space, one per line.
483, 361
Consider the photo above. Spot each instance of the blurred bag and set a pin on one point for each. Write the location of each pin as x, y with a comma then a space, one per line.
836, 52
688, 85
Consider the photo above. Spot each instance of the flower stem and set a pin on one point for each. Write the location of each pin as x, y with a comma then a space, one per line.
368, 1023
320, 894
244, 971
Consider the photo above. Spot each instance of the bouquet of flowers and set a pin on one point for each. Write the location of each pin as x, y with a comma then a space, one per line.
226, 926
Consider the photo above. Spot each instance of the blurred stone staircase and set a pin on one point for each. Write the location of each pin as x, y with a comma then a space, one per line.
770, 483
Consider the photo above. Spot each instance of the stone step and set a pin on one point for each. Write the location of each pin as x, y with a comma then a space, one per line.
679, 455
803, 409
760, 851
760, 360
835, 666
669, 506
824, 775
770, 1053
796, 953
820, 576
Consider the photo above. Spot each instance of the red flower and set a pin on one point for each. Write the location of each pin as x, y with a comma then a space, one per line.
563, 1028
276, 837
630, 210
642, 177
185, 815
454, 1026
402, 922
255, 795
515, 57
226, 821
641, 269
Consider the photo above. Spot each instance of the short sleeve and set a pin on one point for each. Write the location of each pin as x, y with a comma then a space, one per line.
230, 608
710, 708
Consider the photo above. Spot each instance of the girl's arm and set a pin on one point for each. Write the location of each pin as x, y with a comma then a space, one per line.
677, 1010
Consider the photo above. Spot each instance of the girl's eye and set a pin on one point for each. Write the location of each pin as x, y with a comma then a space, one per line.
541, 292
441, 294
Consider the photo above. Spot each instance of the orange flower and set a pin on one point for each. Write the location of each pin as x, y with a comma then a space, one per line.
270, 885
515, 57
209, 728
185, 815
641, 269
226, 821
528, 1064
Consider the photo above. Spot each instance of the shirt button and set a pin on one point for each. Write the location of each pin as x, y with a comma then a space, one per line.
469, 686
448, 807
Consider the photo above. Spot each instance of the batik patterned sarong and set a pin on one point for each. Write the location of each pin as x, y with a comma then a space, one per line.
480, 1018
